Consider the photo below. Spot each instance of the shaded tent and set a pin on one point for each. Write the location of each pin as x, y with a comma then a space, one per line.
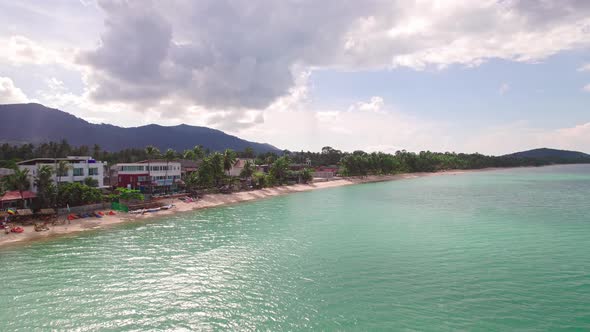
11, 198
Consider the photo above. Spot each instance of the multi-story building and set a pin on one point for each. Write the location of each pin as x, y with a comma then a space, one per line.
79, 168
137, 175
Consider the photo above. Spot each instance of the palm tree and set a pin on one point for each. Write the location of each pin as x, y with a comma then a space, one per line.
169, 156
199, 153
96, 151
151, 152
63, 166
45, 187
189, 155
247, 171
229, 160
19, 180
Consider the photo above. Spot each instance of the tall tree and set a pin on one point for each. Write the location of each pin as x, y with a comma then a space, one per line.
96, 151
46, 189
168, 156
248, 170
151, 152
229, 159
62, 169
19, 180
199, 152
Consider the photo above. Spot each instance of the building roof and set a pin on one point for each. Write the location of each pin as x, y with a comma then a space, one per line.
53, 160
240, 162
15, 196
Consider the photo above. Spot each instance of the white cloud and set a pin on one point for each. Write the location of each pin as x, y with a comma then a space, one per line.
585, 67
10, 94
233, 55
374, 105
19, 50
586, 88
504, 88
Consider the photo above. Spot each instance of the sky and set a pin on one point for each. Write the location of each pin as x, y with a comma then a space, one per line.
488, 76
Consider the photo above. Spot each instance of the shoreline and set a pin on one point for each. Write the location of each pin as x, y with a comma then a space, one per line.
207, 201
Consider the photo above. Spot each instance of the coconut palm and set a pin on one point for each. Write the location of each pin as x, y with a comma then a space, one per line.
248, 170
45, 188
229, 159
199, 153
151, 152
61, 169
168, 156
19, 180
189, 155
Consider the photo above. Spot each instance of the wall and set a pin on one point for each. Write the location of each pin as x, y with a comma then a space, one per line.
84, 208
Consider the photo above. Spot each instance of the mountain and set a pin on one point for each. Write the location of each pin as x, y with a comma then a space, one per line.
35, 123
545, 153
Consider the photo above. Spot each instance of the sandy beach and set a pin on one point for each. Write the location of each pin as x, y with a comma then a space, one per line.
208, 201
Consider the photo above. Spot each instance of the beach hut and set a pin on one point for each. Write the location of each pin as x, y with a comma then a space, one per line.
13, 198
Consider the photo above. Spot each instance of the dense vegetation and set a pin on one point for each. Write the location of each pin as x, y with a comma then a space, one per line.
213, 170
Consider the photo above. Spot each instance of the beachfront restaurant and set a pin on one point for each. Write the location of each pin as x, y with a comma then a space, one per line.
14, 199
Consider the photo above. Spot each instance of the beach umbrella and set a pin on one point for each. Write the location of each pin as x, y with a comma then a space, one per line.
11, 212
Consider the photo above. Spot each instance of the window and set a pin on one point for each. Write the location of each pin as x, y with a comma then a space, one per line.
78, 172
132, 168
93, 171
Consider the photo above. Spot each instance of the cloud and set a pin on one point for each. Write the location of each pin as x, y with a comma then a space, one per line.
504, 88
586, 88
10, 94
19, 50
374, 105
585, 67
222, 54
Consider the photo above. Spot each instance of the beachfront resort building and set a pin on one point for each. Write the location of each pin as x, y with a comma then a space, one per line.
78, 169
164, 176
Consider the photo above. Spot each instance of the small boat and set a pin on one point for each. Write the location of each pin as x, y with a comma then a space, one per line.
167, 207
97, 215
111, 213
153, 210
137, 211
17, 230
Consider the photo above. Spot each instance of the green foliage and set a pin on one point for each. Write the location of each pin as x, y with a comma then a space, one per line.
229, 159
191, 182
90, 182
19, 180
248, 153
46, 188
279, 170
306, 175
126, 194
248, 170
210, 172
74, 194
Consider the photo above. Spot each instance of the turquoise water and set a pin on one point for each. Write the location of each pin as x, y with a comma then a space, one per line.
499, 250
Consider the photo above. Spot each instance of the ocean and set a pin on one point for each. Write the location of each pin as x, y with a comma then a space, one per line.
496, 250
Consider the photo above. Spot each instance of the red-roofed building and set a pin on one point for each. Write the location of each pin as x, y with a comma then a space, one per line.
11, 198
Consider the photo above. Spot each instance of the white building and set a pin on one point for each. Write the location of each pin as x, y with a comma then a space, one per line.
79, 168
